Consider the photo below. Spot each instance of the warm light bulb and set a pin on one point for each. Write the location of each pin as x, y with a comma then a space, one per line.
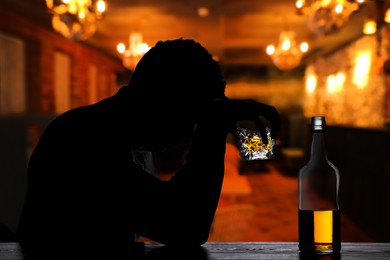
101, 6
304, 47
299, 4
369, 27
121, 48
339, 8
286, 44
143, 48
270, 49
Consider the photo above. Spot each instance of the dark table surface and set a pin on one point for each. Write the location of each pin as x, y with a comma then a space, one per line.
235, 250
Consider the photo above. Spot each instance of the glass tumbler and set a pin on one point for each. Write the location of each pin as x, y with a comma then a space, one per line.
250, 142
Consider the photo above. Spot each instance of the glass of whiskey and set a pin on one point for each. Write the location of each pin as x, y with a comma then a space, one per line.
251, 145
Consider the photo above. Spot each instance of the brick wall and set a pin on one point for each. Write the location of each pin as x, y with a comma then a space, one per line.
41, 44
359, 101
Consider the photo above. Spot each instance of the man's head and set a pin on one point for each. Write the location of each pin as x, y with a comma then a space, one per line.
180, 68
172, 85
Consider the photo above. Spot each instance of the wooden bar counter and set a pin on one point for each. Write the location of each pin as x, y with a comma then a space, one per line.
234, 250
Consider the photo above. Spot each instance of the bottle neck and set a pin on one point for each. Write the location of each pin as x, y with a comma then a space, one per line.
318, 148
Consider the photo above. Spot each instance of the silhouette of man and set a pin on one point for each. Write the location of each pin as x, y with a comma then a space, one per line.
91, 182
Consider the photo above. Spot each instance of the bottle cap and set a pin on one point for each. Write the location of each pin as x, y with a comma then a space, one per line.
318, 123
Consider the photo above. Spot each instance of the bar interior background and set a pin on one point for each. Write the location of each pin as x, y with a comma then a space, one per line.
345, 76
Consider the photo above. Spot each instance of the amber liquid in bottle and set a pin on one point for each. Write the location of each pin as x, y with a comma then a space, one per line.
319, 231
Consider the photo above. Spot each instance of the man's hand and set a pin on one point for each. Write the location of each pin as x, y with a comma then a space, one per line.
262, 115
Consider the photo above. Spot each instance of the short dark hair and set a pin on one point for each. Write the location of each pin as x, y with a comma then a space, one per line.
178, 68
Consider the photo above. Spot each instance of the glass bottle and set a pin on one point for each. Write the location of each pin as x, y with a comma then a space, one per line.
318, 188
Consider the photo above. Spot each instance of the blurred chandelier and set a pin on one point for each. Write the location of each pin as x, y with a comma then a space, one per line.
327, 16
287, 55
136, 49
76, 19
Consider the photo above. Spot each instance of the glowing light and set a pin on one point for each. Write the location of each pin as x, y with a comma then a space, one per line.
136, 49
326, 16
76, 19
101, 6
299, 4
369, 27
335, 82
387, 15
340, 79
362, 69
121, 48
331, 83
304, 47
286, 44
203, 11
286, 55
311, 83
270, 49
339, 8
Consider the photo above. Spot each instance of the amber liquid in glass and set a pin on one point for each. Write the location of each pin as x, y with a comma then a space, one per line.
254, 144
319, 231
